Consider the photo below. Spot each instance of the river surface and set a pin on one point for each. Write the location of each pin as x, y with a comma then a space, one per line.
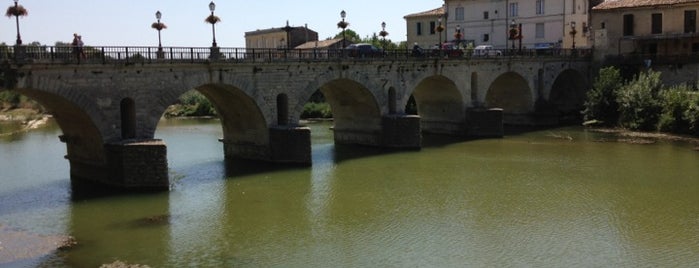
564, 197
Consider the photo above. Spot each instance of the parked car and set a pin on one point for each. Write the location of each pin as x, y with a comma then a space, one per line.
486, 51
364, 50
452, 50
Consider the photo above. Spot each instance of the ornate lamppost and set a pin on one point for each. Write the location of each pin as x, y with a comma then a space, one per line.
17, 11
439, 30
513, 33
458, 34
343, 24
383, 34
573, 32
287, 29
159, 26
213, 19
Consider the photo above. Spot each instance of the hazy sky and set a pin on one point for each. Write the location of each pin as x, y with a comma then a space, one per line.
127, 22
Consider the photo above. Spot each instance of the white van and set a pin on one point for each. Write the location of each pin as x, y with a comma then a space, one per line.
486, 51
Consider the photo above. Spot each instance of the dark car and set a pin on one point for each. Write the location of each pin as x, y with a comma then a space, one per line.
363, 50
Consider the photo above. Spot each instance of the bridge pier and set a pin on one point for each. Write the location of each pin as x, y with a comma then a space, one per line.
132, 165
401, 131
484, 122
287, 144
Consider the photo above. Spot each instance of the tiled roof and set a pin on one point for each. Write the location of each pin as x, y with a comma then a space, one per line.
435, 13
614, 4
319, 44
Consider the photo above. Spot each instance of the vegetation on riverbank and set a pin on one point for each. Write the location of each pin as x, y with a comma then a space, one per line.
642, 103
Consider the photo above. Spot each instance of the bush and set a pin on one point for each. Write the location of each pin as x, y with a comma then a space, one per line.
675, 101
191, 103
316, 110
639, 106
601, 103
691, 115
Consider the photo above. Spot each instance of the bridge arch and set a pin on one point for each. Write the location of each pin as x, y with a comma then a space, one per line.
245, 129
568, 92
82, 132
440, 105
353, 105
511, 92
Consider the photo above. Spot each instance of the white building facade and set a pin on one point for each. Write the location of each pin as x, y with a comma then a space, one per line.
543, 23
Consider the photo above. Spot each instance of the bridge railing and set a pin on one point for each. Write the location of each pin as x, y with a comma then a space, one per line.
143, 55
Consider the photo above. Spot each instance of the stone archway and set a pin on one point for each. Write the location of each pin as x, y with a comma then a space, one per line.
568, 92
511, 92
440, 105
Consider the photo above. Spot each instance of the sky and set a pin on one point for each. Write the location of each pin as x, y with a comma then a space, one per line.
127, 22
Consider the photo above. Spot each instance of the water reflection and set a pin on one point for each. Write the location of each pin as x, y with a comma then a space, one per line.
553, 198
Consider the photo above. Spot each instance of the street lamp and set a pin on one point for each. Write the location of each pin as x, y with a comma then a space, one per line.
213, 19
343, 24
439, 30
383, 34
513, 33
287, 29
457, 35
573, 32
159, 26
17, 11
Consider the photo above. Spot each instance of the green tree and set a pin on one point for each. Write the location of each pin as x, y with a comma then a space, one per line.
639, 105
675, 101
601, 103
350, 35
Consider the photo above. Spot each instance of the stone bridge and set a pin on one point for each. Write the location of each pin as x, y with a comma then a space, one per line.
109, 112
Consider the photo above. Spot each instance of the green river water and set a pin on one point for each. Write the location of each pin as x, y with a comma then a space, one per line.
564, 197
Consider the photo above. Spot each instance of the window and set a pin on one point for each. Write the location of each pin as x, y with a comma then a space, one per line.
514, 9
656, 23
540, 30
540, 7
486, 37
628, 24
433, 25
486, 15
419, 28
459, 14
574, 8
690, 21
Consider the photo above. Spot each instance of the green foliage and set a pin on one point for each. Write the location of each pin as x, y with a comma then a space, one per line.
350, 35
675, 101
639, 105
316, 110
691, 115
601, 103
191, 103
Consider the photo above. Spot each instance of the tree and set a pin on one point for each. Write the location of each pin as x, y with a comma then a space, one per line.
350, 35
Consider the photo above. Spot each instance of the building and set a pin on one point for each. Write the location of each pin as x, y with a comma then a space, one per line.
277, 37
321, 49
543, 23
421, 27
645, 28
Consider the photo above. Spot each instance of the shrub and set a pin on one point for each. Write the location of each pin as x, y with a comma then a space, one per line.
601, 103
691, 115
675, 101
316, 110
639, 106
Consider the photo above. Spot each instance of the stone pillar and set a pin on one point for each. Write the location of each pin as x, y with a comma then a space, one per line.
138, 165
484, 122
401, 131
289, 144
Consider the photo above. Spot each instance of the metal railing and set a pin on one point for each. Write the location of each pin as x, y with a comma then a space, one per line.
145, 55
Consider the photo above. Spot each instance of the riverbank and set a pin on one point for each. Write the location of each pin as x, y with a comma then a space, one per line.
26, 119
637, 137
